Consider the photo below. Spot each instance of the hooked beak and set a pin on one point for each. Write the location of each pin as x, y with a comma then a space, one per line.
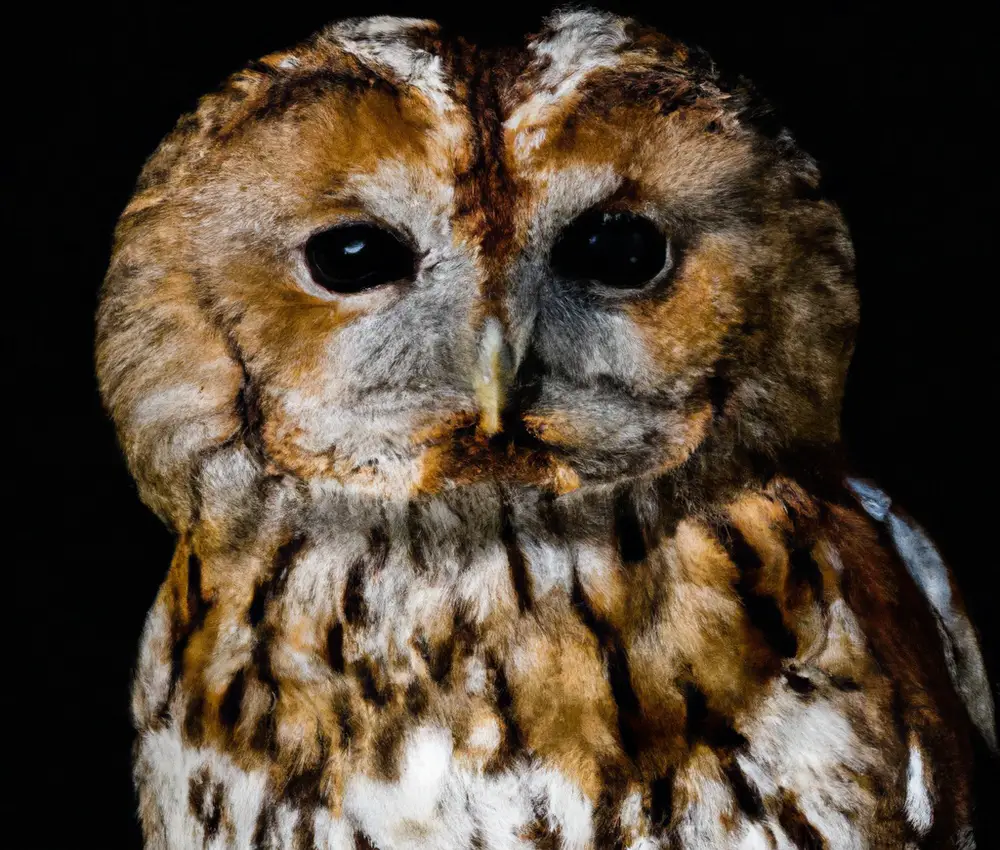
504, 385
493, 376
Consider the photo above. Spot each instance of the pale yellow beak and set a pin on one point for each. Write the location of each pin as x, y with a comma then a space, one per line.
492, 376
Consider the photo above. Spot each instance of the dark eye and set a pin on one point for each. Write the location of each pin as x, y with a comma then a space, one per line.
617, 249
358, 256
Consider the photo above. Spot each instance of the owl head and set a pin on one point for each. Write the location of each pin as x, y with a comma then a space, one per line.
390, 262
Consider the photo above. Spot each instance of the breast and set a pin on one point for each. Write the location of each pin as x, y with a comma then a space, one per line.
504, 669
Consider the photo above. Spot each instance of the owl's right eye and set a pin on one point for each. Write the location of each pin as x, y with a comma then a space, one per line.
355, 257
618, 250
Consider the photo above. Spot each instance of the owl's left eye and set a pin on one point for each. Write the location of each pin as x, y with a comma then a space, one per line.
616, 249
355, 257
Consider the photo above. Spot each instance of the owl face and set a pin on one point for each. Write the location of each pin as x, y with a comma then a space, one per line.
395, 263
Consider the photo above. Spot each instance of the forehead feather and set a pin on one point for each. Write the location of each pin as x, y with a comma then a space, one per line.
402, 47
579, 60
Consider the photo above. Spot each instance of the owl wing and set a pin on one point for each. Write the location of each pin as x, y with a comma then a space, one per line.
924, 563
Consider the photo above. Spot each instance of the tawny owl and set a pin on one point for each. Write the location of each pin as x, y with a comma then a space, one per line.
493, 398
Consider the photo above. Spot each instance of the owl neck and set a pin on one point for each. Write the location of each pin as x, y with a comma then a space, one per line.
635, 513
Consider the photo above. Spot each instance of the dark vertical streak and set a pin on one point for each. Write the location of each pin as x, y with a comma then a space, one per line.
513, 741
704, 724
804, 569
416, 699
552, 516
194, 717
248, 409
355, 606
440, 660
515, 559
345, 721
661, 801
303, 790
619, 673
207, 811
416, 537
628, 531
335, 647
624, 695
255, 613
284, 559
356, 609
378, 548
197, 609
747, 797
196, 606
304, 837
720, 387
263, 738
264, 829
371, 689
212, 824
232, 701
388, 745
762, 610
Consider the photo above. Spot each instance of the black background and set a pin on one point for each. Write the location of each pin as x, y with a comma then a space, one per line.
894, 106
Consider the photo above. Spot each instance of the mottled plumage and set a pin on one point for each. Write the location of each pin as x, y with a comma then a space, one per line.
487, 557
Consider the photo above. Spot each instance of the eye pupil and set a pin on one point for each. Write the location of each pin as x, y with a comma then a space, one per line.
355, 257
616, 249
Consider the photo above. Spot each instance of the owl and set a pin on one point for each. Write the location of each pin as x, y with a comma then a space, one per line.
493, 399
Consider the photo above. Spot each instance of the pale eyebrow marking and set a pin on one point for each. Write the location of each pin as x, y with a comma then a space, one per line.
380, 42
584, 41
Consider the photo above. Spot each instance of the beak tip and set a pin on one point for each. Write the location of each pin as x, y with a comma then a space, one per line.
489, 424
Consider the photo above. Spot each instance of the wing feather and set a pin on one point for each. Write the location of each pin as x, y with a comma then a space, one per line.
931, 574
